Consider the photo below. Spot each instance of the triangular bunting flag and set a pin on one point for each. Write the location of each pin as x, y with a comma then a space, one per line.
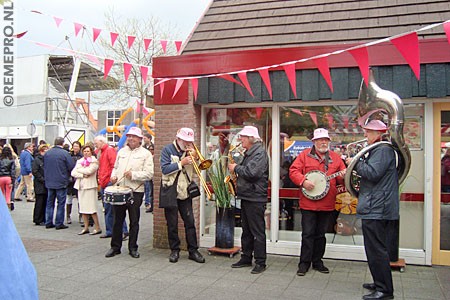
126, 70
297, 111
230, 78
290, 73
178, 45
93, 59
78, 27
345, 119
194, 84
408, 46
313, 116
161, 88
447, 30
243, 77
259, 111
19, 35
164, 45
324, 69
144, 72
264, 73
57, 21
114, 36
108, 65
177, 86
362, 59
329, 118
147, 43
130, 40
96, 33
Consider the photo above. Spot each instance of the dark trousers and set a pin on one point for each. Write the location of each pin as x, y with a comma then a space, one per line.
187, 214
314, 227
253, 238
60, 195
39, 208
149, 193
134, 213
374, 233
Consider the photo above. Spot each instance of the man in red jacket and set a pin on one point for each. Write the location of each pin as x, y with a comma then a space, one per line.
315, 213
106, 156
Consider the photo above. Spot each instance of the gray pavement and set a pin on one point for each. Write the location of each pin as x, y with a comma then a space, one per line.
74, 267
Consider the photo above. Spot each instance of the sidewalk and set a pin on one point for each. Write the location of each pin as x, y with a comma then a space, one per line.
74, 267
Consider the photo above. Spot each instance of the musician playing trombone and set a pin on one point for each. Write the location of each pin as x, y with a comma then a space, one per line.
317, 203
177, 159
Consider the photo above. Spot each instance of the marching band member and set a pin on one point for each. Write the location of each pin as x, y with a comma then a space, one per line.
133, 166
316, 214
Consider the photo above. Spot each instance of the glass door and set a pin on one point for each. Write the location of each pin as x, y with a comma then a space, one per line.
441, 205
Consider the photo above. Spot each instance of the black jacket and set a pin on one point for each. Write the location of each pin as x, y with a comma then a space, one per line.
38, 173
253, 175
8, 168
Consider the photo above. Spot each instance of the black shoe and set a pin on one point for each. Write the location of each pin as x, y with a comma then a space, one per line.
134, 253
105, 236
241, 264
258, 269
369, 286
302, 271
197, 257
111, 252
174, 256
149, 210
17, 199
50, 226
61, 227
378, 295
12, 206
321, 269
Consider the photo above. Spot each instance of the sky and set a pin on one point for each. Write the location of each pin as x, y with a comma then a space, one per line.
181, 15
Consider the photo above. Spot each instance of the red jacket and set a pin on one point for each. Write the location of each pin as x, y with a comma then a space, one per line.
307, 161
106, 164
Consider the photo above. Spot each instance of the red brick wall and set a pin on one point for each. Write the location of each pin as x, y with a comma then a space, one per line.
168, 119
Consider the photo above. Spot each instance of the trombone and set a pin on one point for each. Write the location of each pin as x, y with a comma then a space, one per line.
203, 165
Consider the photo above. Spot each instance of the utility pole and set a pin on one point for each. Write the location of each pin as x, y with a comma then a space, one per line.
141, 108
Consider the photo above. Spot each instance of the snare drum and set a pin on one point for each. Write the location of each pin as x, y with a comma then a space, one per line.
118, 195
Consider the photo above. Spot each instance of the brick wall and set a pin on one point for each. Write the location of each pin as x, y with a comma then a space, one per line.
168, 119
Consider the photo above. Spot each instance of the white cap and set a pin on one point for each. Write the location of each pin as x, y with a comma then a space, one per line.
376, 125
135, 131
320, 133
249, 131
186, 134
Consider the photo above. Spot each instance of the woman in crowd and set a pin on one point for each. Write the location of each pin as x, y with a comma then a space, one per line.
40, 190
17, 162
7, 174
85, 173
72, 193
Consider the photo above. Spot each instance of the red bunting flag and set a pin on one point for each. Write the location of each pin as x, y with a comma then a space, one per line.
178, 45
447, 30
313, 116
164, 45
147, 43
290, 73
126, 70
330, 120
177, 86
230, 78
194, 84
362, 59
161, 88
108, 65
114, 36
130, 40
95, 33
78, 27
243, 77
259, 111
408, 46
297, 111
19, 35
324, 69
264, 73
57, 21
144, 72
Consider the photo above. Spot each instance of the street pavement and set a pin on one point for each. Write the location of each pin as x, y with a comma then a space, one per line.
70, 266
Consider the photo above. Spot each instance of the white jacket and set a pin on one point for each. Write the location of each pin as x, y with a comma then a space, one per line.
79, 171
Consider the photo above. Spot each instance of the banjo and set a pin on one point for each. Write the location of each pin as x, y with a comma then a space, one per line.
321, 184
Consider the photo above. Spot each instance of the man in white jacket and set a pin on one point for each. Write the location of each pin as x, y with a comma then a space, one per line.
133, 166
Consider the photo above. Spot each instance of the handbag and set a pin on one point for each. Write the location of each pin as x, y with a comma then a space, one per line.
192, 189
168, 194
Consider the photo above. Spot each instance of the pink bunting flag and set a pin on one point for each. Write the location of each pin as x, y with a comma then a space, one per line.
290, 73
147, 43
93, 59
297, 111
126, 70
95, 33
164, 45
114, 36
108, 65
362, 59
322, 65
78, 27
408, 46
313, 116
264, 73
230, 78
178, 45
243, 77
194, 84
259, 111
161, 88
177, 86
447, 30
130, 41
57, 21
144, 72
330, 120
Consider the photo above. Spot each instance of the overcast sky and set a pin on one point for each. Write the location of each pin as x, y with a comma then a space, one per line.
179, 14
